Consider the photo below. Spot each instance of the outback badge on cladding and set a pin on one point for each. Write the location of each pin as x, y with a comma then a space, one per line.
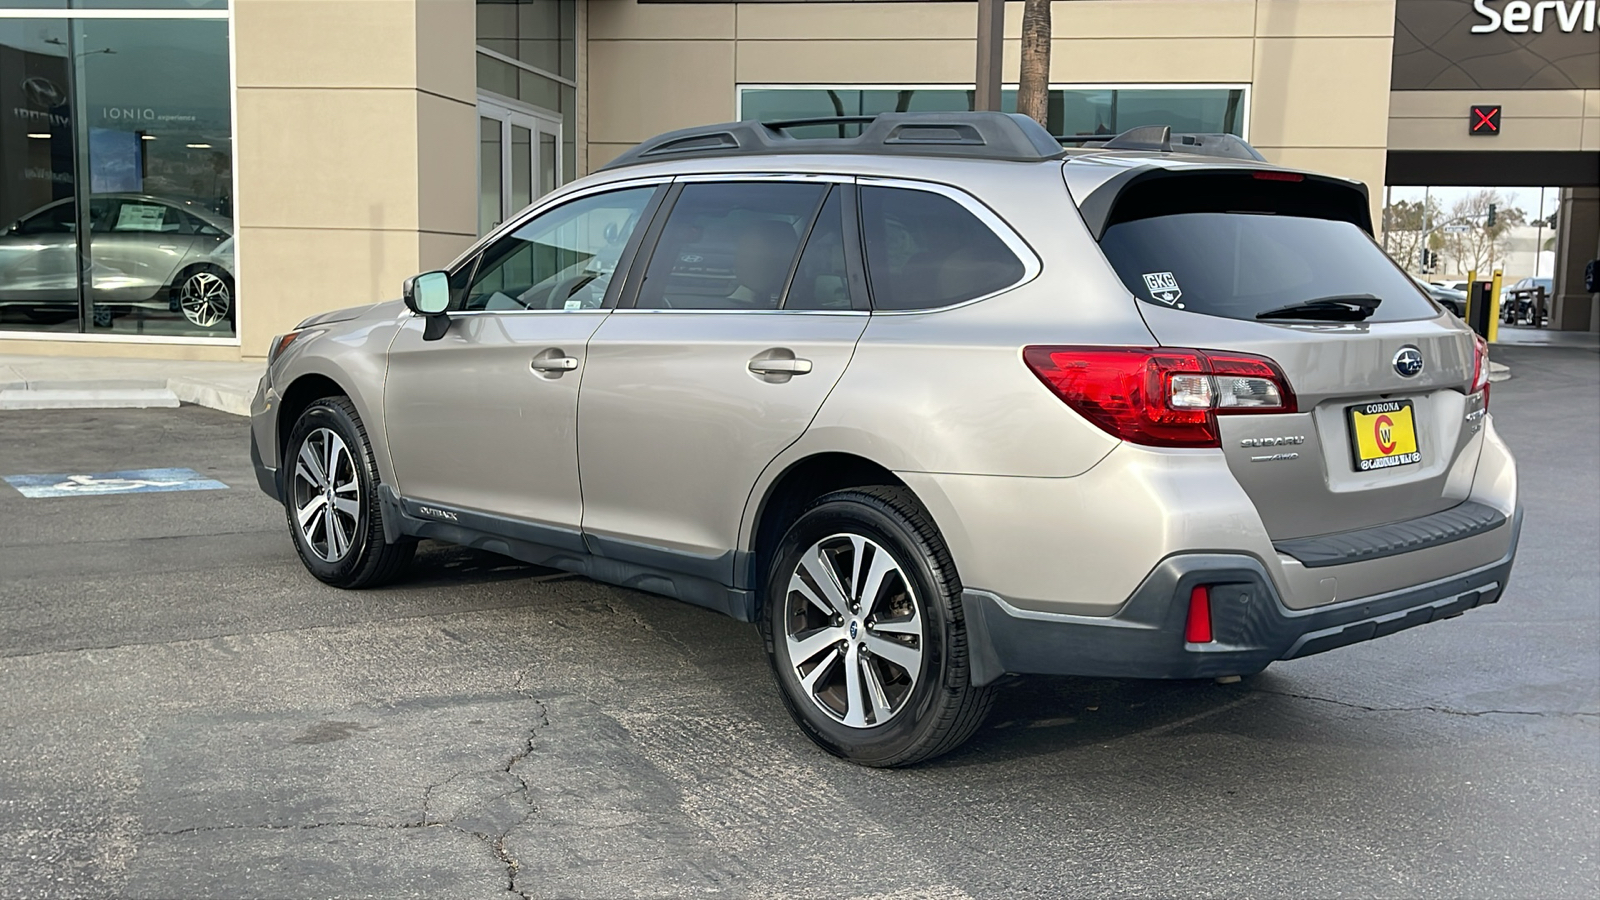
1383, 435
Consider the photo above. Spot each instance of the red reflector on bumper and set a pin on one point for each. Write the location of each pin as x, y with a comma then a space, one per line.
1198, 629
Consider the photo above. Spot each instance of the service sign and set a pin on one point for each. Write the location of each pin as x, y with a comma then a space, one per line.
1496, 45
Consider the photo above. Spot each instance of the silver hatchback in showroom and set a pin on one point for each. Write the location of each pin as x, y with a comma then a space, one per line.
932, 404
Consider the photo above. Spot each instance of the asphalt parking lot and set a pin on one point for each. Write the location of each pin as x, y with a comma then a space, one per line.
184, 712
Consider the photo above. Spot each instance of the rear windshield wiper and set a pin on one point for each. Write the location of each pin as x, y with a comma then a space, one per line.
1339, 308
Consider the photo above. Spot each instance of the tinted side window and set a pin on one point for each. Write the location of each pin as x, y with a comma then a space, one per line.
821, 280
57, 219
925, 250
729, 246
563, 259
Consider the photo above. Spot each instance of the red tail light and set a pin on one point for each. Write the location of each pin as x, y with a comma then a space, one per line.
1161, 397
1271, 175
1480, 368
1197, 630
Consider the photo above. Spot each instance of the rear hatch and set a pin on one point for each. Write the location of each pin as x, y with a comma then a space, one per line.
1282, 265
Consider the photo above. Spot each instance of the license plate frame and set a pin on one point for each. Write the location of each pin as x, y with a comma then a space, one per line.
1373, 449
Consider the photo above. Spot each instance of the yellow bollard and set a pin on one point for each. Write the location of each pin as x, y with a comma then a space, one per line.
1494, 307
1472, 288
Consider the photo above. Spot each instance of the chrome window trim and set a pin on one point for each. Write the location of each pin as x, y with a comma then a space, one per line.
455, 313
1032, 266
550, 201
820, 177
745, 312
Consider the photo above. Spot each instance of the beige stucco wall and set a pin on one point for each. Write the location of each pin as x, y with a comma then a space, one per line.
1318, 69
1529, 120
357, 158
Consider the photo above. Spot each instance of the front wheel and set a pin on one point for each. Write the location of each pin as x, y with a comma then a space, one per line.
864, 630
331, 498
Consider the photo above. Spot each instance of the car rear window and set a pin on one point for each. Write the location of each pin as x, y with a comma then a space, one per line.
1240, 264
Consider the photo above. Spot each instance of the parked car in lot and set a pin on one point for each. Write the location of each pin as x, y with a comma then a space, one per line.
1454, 301
932, 405
1517, 302
145, 252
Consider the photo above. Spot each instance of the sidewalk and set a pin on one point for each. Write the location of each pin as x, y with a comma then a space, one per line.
1526, 336
65, 382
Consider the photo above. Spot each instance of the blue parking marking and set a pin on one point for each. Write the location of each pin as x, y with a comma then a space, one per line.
131, 481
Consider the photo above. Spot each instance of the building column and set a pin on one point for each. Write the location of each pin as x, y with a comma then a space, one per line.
356, 152
1577, 242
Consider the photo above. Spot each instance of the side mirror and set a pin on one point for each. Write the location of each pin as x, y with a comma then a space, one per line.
428, 294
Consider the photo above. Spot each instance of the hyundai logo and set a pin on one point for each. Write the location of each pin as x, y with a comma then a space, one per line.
852, 630
42, 93
1408, 362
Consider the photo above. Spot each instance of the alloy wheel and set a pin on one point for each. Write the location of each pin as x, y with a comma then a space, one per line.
205, 299
327, 495
854, 632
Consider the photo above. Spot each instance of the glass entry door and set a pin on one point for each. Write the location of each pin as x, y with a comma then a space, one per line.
519, 160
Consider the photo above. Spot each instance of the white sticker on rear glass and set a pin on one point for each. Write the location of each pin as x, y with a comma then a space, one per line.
1163, 286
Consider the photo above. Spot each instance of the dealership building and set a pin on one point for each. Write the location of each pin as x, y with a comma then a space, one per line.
186, 178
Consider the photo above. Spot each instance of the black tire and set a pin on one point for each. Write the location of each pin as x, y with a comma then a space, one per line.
365, 560
940, 708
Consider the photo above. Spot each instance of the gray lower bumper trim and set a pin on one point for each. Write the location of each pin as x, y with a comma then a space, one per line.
1454, 524
1250, 624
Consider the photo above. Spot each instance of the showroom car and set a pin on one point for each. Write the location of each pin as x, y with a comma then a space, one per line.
145, 253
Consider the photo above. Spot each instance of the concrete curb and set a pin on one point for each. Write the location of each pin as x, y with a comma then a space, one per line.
1498, 372
211, 395
95, 398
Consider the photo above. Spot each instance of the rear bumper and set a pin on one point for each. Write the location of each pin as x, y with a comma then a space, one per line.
1251, 624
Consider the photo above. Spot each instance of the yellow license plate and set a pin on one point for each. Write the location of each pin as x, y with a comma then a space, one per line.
1383, 435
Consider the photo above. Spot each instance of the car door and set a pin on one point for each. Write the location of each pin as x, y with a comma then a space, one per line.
481, 421
747, 313
39, 258
135, 247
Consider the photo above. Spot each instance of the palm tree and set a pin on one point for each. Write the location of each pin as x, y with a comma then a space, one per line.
1033, 88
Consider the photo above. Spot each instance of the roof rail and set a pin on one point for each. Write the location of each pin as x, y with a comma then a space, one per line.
1159, 138
970, 135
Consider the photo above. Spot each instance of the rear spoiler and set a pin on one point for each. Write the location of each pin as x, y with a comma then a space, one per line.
1152, 191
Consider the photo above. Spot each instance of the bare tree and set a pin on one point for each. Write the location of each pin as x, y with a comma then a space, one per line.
1479, 246
1405, 230
1033, 88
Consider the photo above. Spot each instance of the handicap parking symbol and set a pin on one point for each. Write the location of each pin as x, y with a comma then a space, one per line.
131, 481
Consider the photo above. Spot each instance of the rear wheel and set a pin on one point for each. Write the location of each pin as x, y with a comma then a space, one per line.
205, 297
331, 498
864, 630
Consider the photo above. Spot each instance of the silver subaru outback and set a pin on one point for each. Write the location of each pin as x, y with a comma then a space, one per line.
932, 404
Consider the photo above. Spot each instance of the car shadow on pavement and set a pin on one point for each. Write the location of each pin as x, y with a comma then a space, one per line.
439, 564
1041, 715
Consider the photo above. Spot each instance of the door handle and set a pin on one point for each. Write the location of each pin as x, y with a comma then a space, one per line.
780, 366
554, 364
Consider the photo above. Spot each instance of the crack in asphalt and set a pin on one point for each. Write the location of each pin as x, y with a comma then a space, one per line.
495, 842
1444, 710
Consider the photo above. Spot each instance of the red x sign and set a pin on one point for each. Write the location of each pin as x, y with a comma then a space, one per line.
1486, 119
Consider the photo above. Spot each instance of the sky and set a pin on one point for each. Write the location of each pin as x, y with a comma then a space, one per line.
1525, 198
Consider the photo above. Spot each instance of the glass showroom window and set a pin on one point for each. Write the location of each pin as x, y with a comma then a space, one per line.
1074, 110
116, 170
